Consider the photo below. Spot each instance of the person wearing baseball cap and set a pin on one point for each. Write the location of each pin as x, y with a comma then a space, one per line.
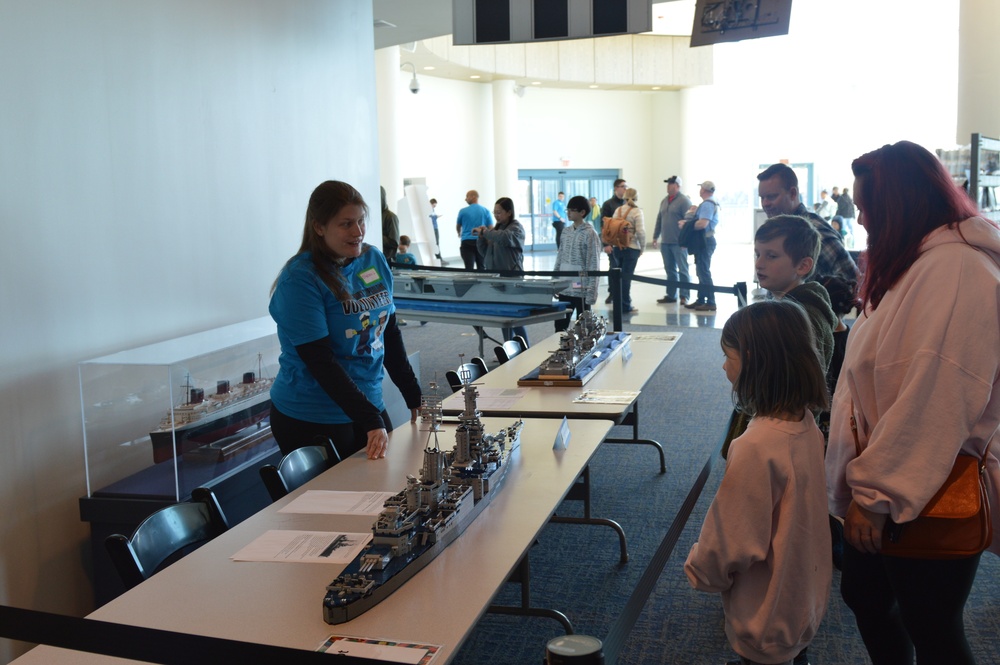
705, 218
675, 258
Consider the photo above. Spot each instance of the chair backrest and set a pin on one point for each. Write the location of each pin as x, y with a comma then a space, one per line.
297, 468
476, 369
509, 349
165, 534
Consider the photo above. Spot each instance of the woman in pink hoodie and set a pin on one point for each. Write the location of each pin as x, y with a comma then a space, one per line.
920, 376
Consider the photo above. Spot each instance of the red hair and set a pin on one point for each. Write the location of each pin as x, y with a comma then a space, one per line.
905, 193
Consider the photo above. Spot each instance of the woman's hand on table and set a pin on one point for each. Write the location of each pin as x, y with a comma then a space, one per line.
378, 443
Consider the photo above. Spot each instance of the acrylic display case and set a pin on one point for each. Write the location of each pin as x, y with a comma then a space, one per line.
163, 419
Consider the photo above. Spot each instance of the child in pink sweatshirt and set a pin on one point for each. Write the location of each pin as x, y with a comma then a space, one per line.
765, 543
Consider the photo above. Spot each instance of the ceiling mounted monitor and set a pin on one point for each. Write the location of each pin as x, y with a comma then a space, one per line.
717, 21
517, 21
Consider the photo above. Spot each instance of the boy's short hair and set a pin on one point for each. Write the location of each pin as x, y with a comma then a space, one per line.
801, 237
579, 203
404, 240
434, 201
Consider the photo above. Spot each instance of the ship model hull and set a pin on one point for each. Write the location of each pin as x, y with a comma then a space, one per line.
419, 522
385, 582
576, 346
201, 421
205, 433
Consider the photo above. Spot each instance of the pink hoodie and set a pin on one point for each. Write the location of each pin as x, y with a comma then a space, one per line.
765, 543
923, 372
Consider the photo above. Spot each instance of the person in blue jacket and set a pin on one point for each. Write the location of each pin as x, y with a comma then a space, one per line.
337, 328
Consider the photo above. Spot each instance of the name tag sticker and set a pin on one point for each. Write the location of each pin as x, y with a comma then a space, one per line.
562, 436
369, 276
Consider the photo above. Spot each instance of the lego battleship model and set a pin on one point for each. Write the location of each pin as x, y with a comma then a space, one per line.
202, 420
478, 287
424, 518
577, 345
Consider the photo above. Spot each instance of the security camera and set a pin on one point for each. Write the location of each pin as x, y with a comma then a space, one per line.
414, 85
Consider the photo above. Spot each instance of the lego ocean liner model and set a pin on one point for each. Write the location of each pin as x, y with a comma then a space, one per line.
577, 345
203, 420
432, 511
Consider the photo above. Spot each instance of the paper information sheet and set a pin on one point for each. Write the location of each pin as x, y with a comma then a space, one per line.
607, 397
388, 650
304, 547
329, 502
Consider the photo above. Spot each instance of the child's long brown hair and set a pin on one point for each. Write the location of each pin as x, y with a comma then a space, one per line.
780, 369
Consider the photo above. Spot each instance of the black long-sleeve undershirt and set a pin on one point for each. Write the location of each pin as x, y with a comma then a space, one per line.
322, 363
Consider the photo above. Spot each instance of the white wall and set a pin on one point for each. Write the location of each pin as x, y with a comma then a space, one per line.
447, 138
156, 159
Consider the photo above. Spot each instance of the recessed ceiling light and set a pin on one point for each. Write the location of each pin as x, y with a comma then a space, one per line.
536, 83
429, 68
656, 87
475, 76
593, 86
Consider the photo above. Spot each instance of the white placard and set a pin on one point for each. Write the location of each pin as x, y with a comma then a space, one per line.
627, 351
562, 436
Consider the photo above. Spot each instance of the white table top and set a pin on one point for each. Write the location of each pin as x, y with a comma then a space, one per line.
207, 593
649, 350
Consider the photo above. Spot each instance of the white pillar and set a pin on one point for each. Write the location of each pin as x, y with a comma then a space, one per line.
504, 139
388, 86
978, 70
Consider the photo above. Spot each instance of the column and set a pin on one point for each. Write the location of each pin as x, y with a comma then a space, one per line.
505, 140
978, 70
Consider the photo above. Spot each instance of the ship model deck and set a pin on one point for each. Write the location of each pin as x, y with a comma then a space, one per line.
203, 420
424, 518
582, 348
478, 287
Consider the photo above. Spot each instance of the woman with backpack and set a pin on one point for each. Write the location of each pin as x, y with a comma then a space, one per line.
628, 244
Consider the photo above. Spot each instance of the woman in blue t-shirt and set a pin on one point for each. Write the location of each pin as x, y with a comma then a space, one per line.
337, 328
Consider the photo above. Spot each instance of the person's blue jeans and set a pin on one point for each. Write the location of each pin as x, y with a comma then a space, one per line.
626, 259
675, 263
612, 263
703, 267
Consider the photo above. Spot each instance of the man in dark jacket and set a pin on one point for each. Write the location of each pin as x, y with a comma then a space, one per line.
390, 230
845, 208
778, 188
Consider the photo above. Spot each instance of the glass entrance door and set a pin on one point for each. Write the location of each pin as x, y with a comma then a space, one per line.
541, 188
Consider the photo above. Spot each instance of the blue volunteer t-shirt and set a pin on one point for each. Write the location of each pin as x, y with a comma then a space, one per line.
306, 310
